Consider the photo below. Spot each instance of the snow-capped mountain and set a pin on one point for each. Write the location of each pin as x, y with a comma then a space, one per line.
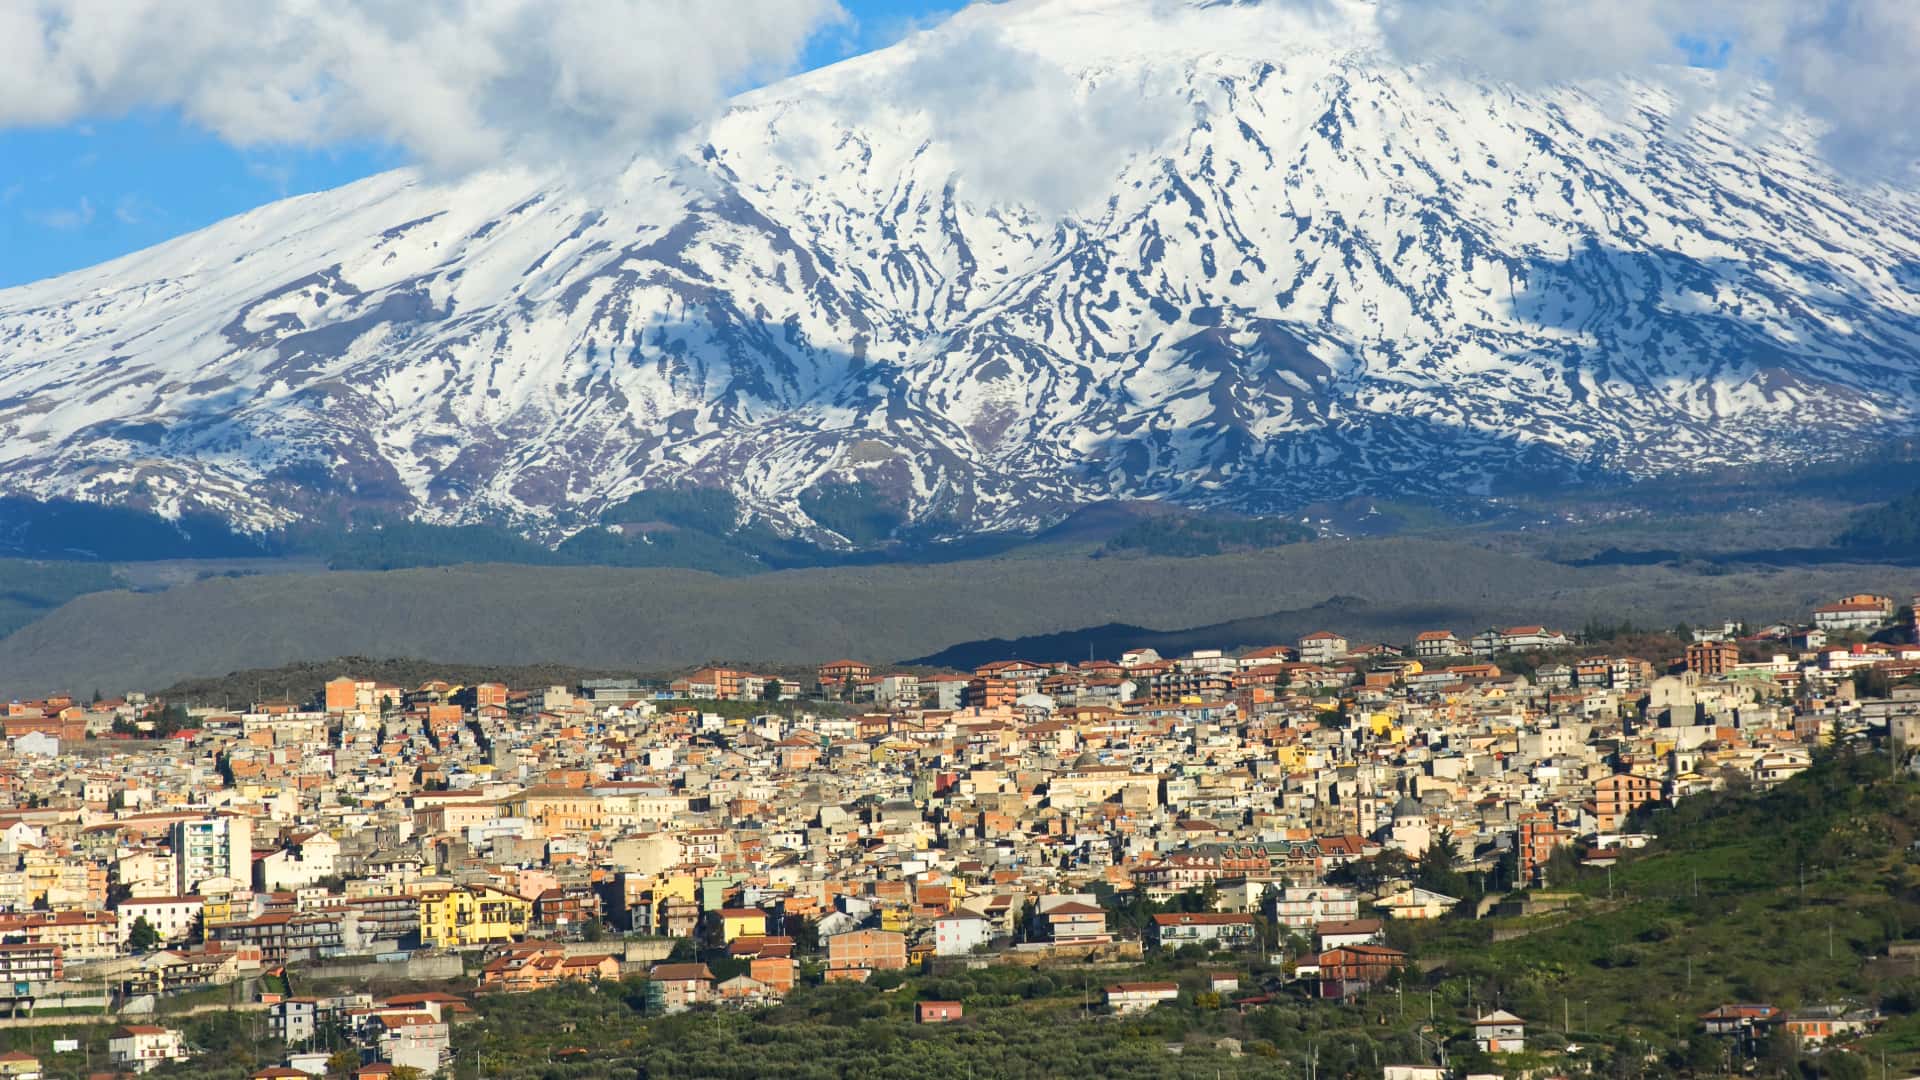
1330, 273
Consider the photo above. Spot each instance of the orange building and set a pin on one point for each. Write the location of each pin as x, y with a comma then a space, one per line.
1712, 658
872, 950
776, 973
1617, 797
1539, 836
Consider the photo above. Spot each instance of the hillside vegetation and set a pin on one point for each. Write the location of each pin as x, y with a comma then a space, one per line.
30, 588
1191, 536
660, 620
1784, 898
1895, 525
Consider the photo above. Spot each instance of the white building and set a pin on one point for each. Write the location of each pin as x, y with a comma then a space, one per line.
1518, 639
899, 691
211, 847
1138, 997
307, 859
1855, 613
172, 917
1500, 1032
142, 1048
960, 933
1322, 647
1416, 903
1302, 908
1438, 645
413, 1039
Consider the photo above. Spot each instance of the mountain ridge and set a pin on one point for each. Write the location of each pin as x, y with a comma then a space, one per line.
1338, 275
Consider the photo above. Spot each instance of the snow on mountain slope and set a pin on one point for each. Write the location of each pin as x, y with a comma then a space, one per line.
1319, 272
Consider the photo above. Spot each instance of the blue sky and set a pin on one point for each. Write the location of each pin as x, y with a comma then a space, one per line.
78, 194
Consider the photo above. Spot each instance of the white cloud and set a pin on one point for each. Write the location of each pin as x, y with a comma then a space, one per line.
1019, 128
1028, 131
277, 175
66, 219
459, 84
1849, 65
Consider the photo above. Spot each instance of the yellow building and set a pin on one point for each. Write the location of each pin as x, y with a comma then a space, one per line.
742, 922
677, 886
224, 900
470, 915
558, 811
1292, 757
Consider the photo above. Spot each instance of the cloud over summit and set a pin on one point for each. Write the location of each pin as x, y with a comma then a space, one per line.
465, 84
458, 84
1848, 65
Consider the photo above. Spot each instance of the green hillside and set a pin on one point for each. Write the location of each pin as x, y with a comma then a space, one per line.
1784, 898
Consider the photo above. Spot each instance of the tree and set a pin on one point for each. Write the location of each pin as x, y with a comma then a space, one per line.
1843, 1066
1438, 869
342, 1063
804, 932
713, 930
143, 937
1780, 1054
1370, 874
1871, 682
406, 1072
166, 720
770, 690
1203, 899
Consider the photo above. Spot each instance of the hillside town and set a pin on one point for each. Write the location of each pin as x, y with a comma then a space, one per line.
729, 835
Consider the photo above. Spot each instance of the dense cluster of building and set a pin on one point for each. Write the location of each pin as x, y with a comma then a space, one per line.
873, 819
